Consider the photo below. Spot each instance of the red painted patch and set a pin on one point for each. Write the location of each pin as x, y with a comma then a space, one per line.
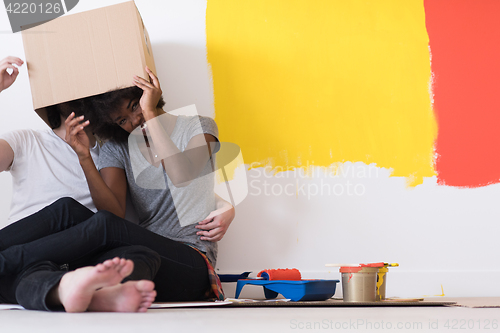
465, 45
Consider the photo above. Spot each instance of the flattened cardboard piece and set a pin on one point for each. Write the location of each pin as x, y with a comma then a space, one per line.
86, 54
476, 302
337, 303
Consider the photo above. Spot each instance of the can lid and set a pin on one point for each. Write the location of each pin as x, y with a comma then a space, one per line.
350, 269
359, 269
374, 264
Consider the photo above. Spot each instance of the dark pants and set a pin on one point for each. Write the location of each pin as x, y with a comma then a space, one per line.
67, 232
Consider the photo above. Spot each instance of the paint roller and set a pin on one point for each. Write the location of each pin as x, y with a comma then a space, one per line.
292, 274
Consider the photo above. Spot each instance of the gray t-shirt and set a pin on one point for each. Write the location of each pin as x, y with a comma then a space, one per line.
155, 206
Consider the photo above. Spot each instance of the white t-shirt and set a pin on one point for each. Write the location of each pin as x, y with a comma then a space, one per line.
45, 168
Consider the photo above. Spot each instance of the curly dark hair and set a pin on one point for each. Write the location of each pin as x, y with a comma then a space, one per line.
103, 105
54, 112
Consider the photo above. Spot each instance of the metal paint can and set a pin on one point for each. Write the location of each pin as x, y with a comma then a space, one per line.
359, 284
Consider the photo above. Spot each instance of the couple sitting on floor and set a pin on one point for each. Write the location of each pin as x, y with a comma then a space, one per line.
59, 253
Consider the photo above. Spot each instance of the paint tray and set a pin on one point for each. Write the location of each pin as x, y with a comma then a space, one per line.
303, 290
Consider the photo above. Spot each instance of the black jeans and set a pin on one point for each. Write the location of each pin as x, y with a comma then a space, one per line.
67, 232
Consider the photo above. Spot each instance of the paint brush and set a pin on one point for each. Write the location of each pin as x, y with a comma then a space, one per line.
390, 265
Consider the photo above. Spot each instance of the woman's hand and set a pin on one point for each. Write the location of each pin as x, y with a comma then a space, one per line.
151, 95
7, 79
214, 227
76, 136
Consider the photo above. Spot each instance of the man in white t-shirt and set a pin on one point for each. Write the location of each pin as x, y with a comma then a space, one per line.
44, 169
35, 155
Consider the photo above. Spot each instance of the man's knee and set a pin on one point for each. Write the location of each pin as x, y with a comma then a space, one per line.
66, 202
105, 220
105, 215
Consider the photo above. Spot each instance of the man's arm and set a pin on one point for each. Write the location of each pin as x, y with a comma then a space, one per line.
6, 80
6, 155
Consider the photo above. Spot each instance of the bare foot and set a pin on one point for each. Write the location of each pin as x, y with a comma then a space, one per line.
76, 288
131, 296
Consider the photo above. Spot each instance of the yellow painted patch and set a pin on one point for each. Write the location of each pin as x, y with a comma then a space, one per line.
324, 81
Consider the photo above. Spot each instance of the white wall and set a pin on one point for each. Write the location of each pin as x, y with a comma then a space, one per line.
442, 236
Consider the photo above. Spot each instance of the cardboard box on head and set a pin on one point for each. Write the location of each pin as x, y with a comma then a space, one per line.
86, 54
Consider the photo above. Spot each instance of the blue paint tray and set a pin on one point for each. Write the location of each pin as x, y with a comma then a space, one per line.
303, 290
